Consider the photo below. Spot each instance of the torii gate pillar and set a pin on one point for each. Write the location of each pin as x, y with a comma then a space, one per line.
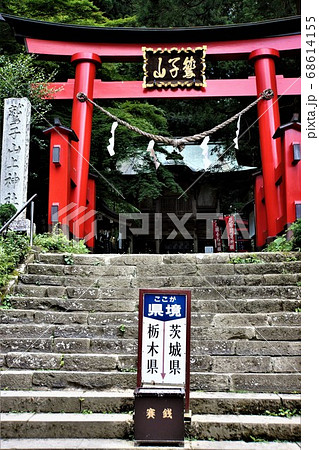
81, 123
269, 121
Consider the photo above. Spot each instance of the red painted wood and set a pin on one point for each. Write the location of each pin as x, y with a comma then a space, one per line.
260, 213
59, 174
291, 173
89, 224
215, 88
133, 52
81, 123
270, 149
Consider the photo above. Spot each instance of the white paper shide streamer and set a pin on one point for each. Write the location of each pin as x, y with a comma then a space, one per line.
204, 146
110, 147
237, 133
150, 149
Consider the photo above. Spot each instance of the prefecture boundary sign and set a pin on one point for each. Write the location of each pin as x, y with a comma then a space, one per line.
164, 339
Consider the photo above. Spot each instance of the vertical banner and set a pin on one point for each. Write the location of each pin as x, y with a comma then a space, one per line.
231, 233
164, 339
217, 236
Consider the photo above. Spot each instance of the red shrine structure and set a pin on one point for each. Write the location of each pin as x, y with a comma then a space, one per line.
277, 187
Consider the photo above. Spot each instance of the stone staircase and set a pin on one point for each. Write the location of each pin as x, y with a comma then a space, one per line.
69, 350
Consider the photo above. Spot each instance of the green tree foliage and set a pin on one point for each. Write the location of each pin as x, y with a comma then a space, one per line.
116, 9
167, 13
283, 243
80, 12
13, 249
57, 242
129, 147
6, 212
21, 77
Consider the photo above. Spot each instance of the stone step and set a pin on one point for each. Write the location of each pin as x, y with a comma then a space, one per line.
264, 268
39, 425
130, 305
205, 381
58, 270
13, 316
117, 444
123, 401
219, 269
243, 403
244, 330
120, 426
164, 269
246, 305
146, 259
129, 346
254, 280
125, 282
87, 318
77, 304
85, 281
244, 292
204, 258
72, 362
105, 363
235, 427
69, 401
199, 293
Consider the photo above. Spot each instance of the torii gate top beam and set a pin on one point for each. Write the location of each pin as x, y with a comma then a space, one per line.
125, 44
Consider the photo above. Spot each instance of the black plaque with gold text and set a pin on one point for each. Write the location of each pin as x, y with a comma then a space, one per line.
184, 67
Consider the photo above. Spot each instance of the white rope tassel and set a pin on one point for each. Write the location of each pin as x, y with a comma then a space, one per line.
204, 146
237, 133
110, 147
150, 149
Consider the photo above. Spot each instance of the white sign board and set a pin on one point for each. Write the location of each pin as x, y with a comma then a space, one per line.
164, 338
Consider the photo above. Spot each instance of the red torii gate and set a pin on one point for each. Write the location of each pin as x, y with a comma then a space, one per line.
87, 47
